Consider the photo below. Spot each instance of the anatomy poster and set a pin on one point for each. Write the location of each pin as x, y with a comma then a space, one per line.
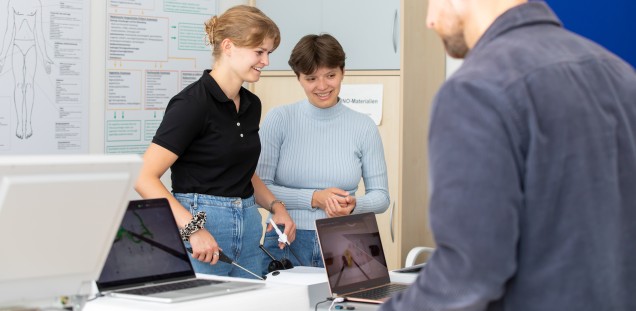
154, 49
44, 76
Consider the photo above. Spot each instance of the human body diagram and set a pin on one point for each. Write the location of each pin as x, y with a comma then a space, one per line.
22, 44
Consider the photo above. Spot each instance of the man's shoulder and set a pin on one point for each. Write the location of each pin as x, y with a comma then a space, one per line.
471, 79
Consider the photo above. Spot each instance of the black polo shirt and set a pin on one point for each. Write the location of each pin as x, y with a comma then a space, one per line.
218, 148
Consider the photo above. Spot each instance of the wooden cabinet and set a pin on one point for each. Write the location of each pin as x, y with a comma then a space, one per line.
421, 75
407, 98
367, 29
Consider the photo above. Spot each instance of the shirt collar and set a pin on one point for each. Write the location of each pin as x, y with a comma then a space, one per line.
213, 88
322, 113
518, 16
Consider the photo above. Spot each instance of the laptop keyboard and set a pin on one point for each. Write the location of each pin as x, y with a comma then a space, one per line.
380, 292
162, 288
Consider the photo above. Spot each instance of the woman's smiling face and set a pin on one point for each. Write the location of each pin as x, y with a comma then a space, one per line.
322, 87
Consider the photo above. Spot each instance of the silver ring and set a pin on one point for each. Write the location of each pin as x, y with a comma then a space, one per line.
215, 253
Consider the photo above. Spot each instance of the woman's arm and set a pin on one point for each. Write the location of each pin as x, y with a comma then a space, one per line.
157, 160
374, 175
265, 198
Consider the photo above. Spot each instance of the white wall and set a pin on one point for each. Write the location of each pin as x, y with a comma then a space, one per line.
452, 64
97, 74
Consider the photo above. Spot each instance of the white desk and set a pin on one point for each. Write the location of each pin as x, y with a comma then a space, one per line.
314, 283
289, 291
359, 306
274, 296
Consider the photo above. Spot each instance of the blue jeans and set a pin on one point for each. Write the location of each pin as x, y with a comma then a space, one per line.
305, 246
236, 225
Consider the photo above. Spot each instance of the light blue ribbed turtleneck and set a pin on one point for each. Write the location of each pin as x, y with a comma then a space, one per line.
306, 148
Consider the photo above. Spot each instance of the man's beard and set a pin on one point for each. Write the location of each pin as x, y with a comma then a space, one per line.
455, 45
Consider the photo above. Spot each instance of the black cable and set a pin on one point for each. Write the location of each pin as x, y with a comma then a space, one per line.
266, 252
292, 252
316, 307
96, 296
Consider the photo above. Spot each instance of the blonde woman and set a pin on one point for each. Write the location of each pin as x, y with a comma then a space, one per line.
209, 139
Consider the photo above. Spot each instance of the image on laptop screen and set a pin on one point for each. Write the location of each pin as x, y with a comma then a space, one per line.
146, 248
148, 261
353, 253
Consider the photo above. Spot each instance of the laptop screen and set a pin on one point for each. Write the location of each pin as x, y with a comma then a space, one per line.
147, 248
352, 252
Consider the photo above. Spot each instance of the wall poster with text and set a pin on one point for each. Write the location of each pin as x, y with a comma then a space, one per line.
44, 76
154, 50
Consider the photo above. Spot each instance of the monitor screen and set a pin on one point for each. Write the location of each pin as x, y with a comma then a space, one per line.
58, 217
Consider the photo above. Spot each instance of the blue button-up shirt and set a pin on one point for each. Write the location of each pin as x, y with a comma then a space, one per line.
533, 167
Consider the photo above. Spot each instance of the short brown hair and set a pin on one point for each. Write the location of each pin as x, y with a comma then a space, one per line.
316, 51
245, 25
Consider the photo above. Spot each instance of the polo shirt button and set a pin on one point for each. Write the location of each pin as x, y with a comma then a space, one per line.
241, 135
238, 123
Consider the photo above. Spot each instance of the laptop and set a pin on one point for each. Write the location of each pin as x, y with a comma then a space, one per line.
354, 259
148, 260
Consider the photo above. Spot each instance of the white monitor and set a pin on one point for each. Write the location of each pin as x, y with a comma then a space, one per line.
58, 217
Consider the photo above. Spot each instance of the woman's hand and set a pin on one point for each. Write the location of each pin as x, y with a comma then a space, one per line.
204, 247
320, 197
335, 208
281, 217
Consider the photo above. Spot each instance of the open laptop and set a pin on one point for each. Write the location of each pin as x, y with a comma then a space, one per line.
148, 260
354, 258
